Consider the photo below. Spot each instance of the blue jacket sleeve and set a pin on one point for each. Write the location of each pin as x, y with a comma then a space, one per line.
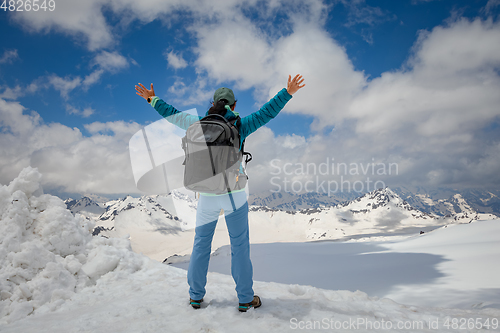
176, 117
268, 111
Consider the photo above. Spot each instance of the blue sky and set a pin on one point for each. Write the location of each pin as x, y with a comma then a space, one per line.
384, 80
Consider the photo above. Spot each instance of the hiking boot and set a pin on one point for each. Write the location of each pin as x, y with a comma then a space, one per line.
255, 303
196, 304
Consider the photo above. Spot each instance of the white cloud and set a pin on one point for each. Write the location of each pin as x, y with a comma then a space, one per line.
22, 133
64, 85
237, 50
488, 9
291, 141
8, 56
198, 92
362, 18
462, 47
98, 164
83, 20
68, 160
178, 88
85, 113
427, 116
449, 89
111, 61
105, 62
361, 13
10, 93
175, 61
92, 78
234, 50
86, 23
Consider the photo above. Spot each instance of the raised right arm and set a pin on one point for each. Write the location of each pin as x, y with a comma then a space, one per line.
176, 117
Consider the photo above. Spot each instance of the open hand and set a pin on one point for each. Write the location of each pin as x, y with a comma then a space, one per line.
143, 92
295, 84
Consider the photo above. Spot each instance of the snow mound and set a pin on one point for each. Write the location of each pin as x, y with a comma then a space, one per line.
46, 253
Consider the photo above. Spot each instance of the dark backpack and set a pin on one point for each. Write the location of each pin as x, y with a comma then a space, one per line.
213, 157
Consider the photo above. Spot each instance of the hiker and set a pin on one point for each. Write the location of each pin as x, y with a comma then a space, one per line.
234, 203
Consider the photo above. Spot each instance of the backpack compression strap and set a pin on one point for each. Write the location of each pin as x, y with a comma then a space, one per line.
248, 156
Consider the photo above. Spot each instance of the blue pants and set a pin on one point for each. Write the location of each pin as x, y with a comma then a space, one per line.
237, 225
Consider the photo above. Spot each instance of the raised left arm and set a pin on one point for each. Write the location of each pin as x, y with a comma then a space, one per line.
268, 111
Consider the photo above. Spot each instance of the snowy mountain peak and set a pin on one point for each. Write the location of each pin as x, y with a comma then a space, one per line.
145, 204
84, 204
382, 197
377, 199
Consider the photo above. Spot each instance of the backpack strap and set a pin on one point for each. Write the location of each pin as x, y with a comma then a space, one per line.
248, 156
215, 116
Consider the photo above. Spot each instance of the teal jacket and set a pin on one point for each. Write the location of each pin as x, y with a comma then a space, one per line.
249, 124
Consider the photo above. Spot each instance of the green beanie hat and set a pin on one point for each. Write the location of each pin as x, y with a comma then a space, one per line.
224, 93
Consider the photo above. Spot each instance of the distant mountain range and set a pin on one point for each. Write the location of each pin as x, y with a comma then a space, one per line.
445, 201
162, 226
295, 202
440, 202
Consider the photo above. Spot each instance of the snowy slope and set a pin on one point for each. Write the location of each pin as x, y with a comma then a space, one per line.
448, 267
381, 212
47, 254
154, 224
469, 266
56, 277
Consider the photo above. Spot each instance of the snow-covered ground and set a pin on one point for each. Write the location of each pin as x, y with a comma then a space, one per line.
56, 277
454, 266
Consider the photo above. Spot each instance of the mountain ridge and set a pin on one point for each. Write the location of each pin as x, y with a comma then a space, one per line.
161, 226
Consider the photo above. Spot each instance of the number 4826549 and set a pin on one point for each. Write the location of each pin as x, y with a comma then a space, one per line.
28, 5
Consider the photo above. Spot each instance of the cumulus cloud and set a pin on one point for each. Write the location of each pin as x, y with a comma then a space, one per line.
83, 20
234, 50
64, 85
111, 61
448, 89
237, 50
68, 160
428, 117
98, 164
10, 93
175, 60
